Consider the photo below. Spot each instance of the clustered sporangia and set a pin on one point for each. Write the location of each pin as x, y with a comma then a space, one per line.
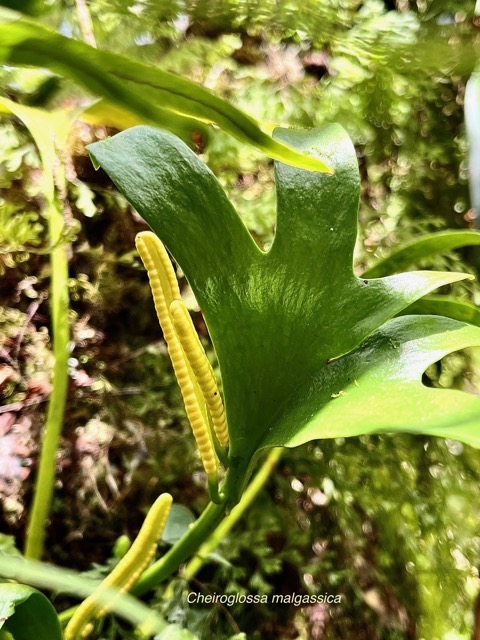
126, 573
204, 408
203, 403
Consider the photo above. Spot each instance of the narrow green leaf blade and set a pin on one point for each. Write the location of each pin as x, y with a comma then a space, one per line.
429, 245
445, 306
140, 88
26, 613
45, 128
55, 578
30, 7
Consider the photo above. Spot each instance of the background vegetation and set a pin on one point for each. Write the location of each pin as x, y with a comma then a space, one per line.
391, 523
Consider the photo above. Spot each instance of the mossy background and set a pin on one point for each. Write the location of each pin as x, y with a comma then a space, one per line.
391, 523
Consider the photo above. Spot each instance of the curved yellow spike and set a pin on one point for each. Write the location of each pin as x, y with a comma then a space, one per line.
165, 290
163, 265
163, 281
127, 572
201, 367
197, 419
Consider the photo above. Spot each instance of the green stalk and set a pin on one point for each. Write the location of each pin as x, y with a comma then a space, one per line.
255, 486
59, 306
210, 528
50, 131
197, 534
52, 578
163, 568
193, 538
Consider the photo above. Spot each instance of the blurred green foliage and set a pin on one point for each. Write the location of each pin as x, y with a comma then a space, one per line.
389, 523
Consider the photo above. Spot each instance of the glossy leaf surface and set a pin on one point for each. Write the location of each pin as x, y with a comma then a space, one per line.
27, 614
378, 387
156, 96
279, 319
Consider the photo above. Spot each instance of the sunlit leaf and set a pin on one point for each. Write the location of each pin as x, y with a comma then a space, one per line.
153, 95
282, 322
49, 131
378, 387
30, 7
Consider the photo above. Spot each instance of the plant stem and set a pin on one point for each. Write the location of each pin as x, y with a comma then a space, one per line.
191, 541
66, 581
237, 512
184, 548
59, 306
208, 527
197, 533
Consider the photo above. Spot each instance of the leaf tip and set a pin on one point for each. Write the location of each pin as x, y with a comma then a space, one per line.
463, 276
315, 163
8, 15
96, 164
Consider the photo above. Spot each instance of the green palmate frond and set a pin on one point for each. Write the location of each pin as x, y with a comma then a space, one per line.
305, 347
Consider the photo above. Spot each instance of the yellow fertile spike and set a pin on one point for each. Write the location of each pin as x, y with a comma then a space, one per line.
165, 290
163, 281
197, 418
201, 367
126, 573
